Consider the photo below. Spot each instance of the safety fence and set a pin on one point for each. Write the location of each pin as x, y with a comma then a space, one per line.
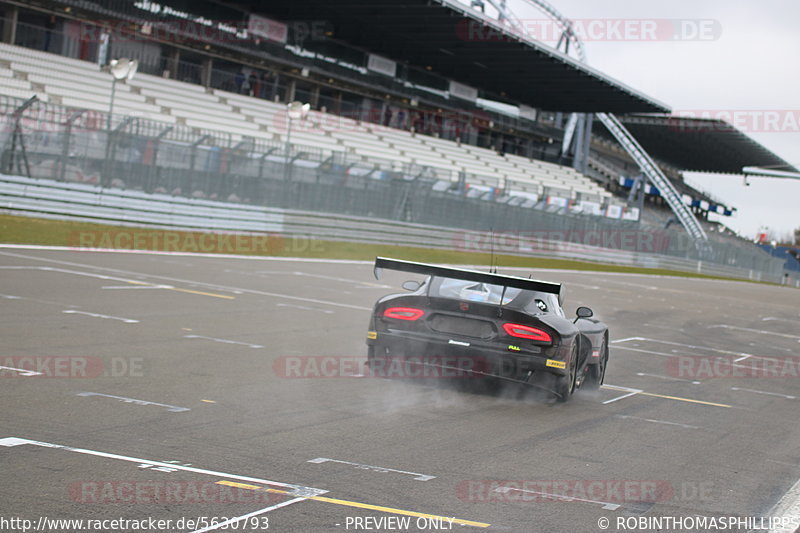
71, 201
131, 157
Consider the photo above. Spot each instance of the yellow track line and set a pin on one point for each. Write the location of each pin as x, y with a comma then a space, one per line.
360, 505
224, 296
686, 400
678, 398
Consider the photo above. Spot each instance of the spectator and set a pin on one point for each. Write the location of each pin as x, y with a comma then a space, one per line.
266, 82
239, 80
252, 82
50, 25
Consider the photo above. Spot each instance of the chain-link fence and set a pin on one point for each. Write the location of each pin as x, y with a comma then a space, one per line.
57, 143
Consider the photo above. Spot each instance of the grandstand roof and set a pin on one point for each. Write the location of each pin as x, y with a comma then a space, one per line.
704, 145
459, 43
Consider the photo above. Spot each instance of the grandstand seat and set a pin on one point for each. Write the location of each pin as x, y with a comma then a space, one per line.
83, 84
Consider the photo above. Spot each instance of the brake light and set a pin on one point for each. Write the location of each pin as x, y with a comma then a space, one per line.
403, 313
527, 332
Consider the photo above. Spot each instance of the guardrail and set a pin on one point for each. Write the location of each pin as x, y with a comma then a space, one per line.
75, 201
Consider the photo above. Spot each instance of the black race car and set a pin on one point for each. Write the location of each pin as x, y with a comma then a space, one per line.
468, 323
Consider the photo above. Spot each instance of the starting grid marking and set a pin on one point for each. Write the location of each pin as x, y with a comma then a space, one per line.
348, 503
22, 371
634, 392
606, 505
299, 493
741, 355
223, 341
97, 315
170, 408
380, 469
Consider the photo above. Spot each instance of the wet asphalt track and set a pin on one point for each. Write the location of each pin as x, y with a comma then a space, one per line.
167, 394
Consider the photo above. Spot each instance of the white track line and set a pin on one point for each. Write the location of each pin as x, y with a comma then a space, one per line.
558, 497
761, 331
668, 378
780, 319
22, 371
628, 339
694, 346
97, 315
235, 290
788, 508
418, 477
765, 392
629, 392
654, 421
170, 408
245, 517
647, 351
183, 254
224, 341
296, 489
305, 308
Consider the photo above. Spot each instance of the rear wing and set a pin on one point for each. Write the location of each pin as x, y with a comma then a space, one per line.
382, 263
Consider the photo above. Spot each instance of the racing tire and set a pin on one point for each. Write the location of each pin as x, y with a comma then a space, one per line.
595, 374
565, 385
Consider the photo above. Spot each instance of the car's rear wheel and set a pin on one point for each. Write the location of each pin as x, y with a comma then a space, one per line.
565, 385
595, 374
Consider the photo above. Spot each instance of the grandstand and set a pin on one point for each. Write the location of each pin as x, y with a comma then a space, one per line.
391, 99
81, 84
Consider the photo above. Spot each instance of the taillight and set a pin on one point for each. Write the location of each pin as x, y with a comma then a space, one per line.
403, 313
527, 332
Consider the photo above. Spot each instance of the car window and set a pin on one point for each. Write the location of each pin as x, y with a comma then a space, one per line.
471, 291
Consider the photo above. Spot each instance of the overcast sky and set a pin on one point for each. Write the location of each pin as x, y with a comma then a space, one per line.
749, 61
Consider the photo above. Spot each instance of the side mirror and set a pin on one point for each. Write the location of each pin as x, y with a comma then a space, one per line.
411, 285
584, 312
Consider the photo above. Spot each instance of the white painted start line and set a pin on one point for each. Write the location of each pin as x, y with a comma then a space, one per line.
223, 341
98, 315
170, 408
21, 371
606, 505
380, 469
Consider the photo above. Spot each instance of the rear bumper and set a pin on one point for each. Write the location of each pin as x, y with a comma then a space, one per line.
461, 357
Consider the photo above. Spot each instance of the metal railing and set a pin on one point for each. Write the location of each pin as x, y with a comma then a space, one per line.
135, 154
